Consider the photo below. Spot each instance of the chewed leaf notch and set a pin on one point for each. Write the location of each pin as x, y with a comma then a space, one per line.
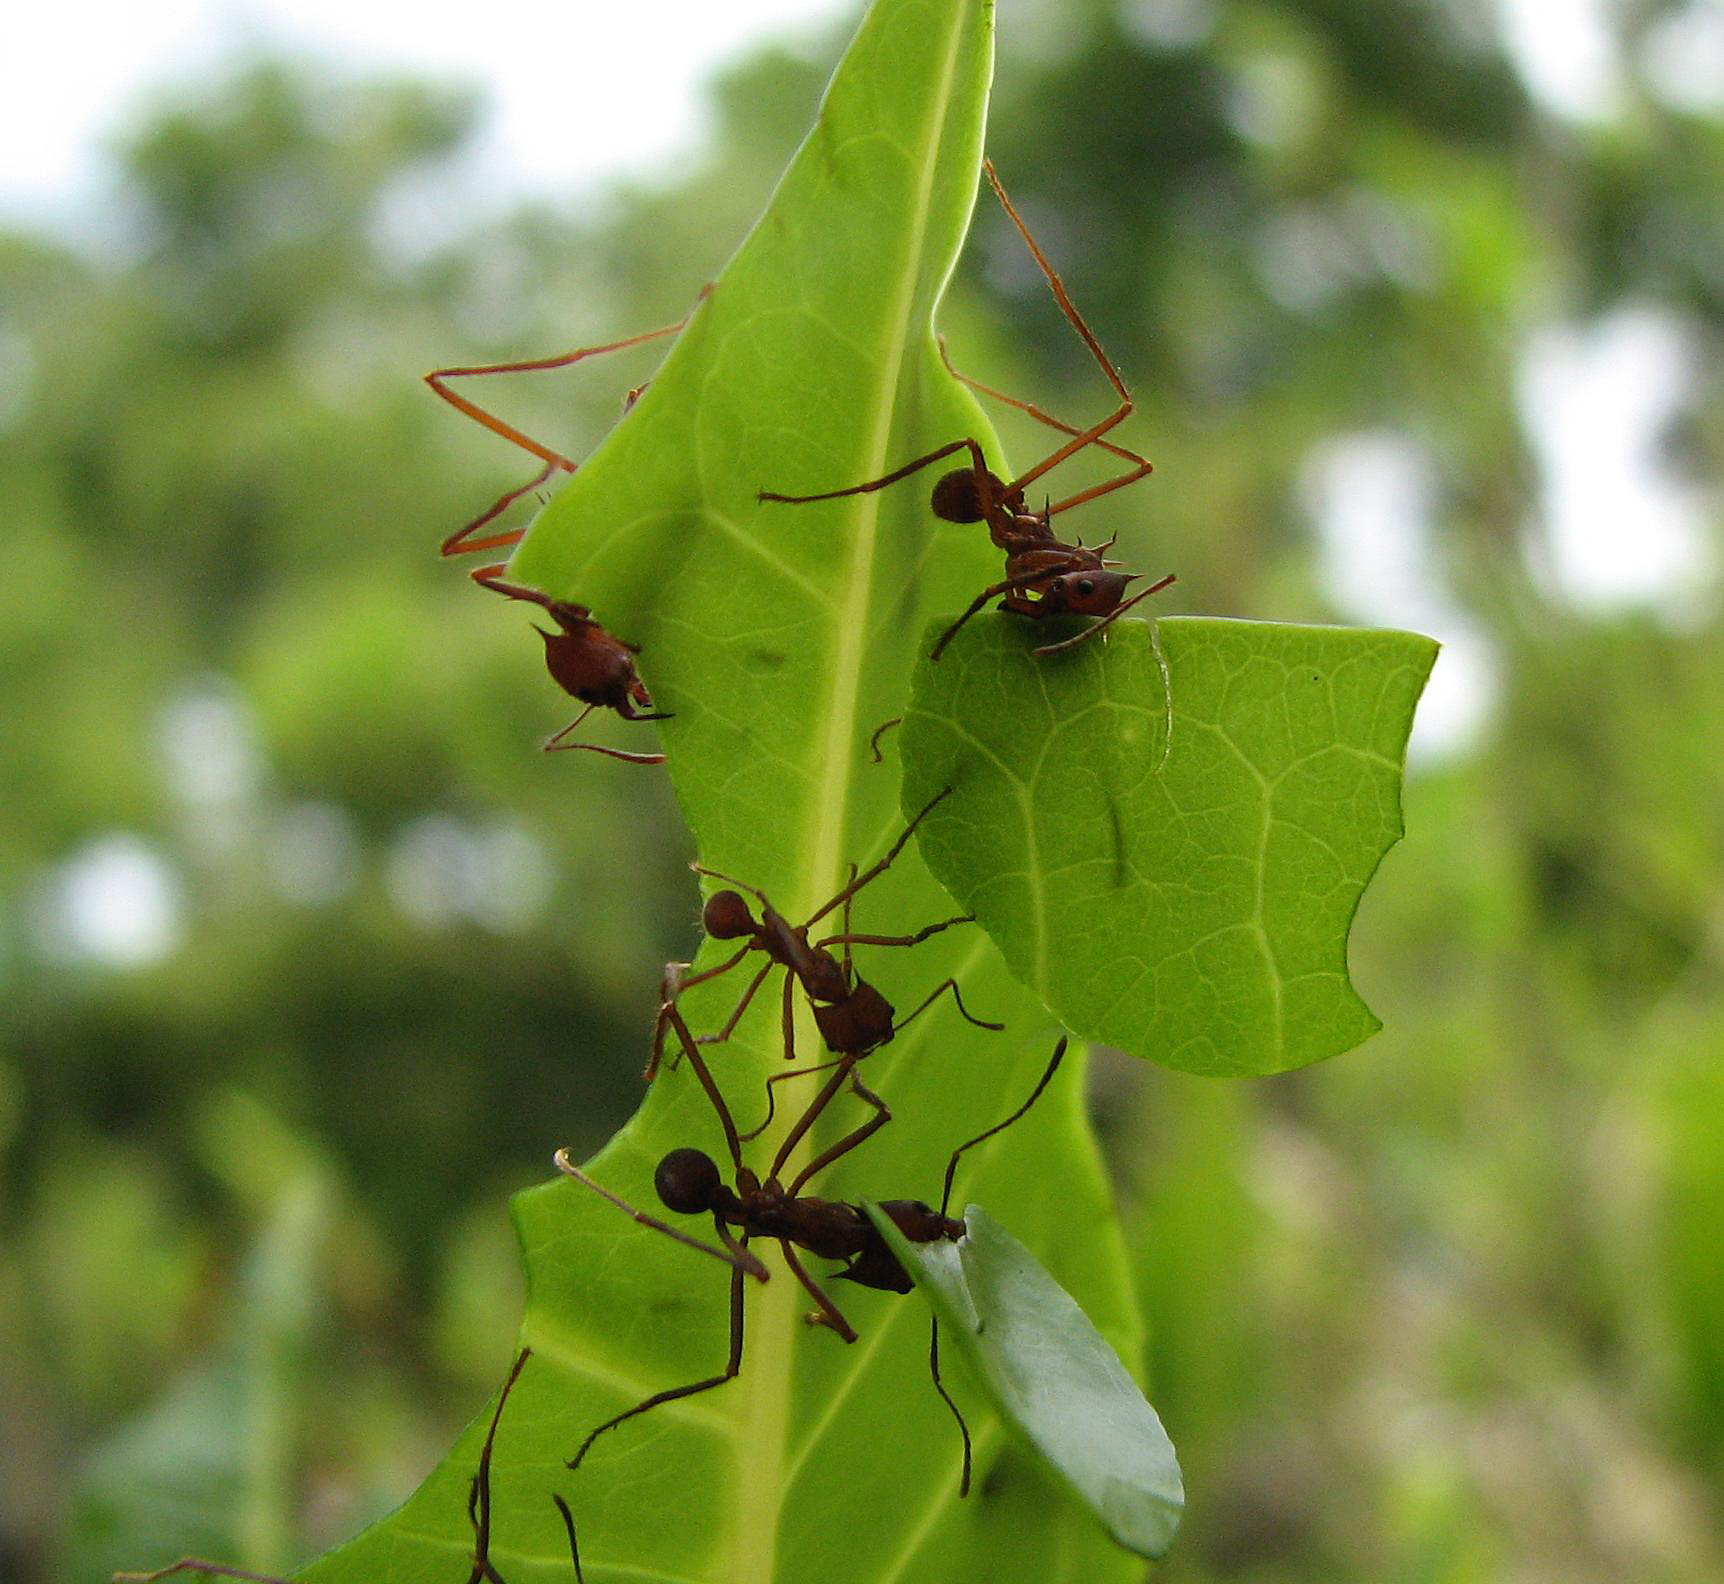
1167, 832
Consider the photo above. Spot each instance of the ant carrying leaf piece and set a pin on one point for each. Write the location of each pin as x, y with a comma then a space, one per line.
1045, 576
852, 1016
471, 538
588, 664
689, 1182
484, 1571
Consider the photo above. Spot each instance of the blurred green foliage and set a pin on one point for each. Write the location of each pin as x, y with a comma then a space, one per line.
1446, 1309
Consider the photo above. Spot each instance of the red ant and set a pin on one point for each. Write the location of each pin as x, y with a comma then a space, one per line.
688, 1182
478, 1516
852, 1016
1044, 575
587, 663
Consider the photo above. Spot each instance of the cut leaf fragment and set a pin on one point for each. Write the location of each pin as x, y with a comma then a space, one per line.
1052, 1376
1176, 880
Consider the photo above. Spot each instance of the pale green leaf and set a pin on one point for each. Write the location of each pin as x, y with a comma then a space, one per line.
1056, 1379
1175, 880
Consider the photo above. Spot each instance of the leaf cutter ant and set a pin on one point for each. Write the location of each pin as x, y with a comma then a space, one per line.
689, 1182
1045, 576
587, 663
852, 1016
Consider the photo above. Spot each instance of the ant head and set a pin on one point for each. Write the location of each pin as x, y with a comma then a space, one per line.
726, 916
1089, 592
687, 1181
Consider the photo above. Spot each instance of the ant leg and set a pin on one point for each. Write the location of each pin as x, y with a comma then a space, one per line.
200, 1566
830, 1314
898, 940
946, 1397
874, 871
787, 1017
745, 1263
850, 1140
630, 713
771, 1101
479, 1496
492, 577
731, 1369
613, 753
1035, 1094
670, 986
438, 379
1038, 413
844, 924
553, 743
974, 608
815, 1106
556, 744
462, 542
1005, 586
972, 446
957, 995
1106, 487
1112, 616
698, 1062
729, 1025
1118, 416
569, 1525
879, 732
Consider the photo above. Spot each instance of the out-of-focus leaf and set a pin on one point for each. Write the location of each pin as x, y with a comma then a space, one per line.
1175, 880
1053, 1376
207, 1470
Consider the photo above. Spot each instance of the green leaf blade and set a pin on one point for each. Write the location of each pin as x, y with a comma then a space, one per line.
1052, 1375
1180, 881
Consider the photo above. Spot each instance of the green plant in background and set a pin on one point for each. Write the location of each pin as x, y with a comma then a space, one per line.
1444, 1309
779, 638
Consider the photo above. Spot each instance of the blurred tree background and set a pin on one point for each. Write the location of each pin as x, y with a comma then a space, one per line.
309, 959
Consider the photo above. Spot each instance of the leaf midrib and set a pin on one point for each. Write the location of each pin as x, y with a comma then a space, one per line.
760, 1451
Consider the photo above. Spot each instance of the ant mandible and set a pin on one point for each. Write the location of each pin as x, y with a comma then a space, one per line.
852, 1016
586, 662
1045, 576
688, 1182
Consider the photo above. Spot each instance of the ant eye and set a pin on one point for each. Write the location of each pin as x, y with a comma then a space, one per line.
1086, 586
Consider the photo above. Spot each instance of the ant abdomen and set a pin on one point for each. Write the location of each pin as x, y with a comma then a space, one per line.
688, 1182
958, 497
726, 916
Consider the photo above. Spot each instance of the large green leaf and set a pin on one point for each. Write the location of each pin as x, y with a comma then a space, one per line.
1052, 1375
780, 636
1175, 879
